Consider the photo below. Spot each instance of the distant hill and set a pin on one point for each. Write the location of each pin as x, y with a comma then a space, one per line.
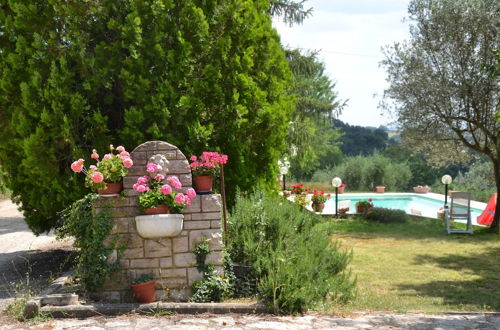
359, 140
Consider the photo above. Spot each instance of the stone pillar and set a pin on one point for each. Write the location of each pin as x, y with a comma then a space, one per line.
170, 261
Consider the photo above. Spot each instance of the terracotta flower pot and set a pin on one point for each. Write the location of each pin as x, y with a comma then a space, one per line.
341, 190
203, 183
362, 209
318, 207
380, 189
161, 209
145, 292
111, 188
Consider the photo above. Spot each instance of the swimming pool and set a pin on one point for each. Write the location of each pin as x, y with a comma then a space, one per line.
410, 203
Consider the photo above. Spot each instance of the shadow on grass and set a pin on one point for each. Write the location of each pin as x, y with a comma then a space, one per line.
413, 229
482, 292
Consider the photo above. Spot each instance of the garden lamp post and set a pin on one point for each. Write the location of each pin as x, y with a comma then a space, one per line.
336, 182
446, 180
284, 172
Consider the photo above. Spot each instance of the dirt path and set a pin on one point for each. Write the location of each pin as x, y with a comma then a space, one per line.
25, 259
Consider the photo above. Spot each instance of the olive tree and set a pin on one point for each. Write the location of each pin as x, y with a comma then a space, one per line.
440, 84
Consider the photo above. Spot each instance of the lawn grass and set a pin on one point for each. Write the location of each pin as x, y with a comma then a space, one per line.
417, 266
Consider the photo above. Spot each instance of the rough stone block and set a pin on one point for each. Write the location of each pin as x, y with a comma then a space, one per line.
194, 275
160, 145
214, 258
146, 146
206, 216
129, 181
196, 225
158, 248
181, 244
180, 155
130, 192
145, 263
60, 299
214, 224
211, 203
169, 154
110, 296
166, 262
125, 263
194, 207
139, 157
214, 235
184, 260
186, 180
173, 282
134, 253
130, 241
173, 272
120, 225
175, 295
125, 212
176, 167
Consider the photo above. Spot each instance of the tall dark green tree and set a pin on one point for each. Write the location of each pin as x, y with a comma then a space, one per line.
440, 84
311, 136
203, 75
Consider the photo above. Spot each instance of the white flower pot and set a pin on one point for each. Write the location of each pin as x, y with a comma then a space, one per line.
159, 225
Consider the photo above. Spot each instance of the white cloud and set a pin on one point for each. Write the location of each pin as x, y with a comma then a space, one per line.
350, 35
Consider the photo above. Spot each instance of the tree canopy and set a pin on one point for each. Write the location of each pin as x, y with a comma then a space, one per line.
440, 84
77, 75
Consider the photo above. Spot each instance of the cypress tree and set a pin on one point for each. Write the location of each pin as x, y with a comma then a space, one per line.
77, 75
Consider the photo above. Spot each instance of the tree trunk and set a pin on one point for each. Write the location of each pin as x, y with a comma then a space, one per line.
495, 224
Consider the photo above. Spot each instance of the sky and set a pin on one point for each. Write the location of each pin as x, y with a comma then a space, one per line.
349, 35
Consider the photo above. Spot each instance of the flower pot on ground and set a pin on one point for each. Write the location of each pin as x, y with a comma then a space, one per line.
318, 207
341, 189
380, 189
203, 183
318, 200
111, 188
363, 206
106, 176
205, 168
144, 289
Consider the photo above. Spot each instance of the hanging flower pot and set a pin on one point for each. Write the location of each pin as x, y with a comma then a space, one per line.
159, 225
203, 183
161, 209
111, 188
145, 292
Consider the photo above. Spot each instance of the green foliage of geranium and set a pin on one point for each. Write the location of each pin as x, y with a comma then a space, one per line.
202, 75
290, 251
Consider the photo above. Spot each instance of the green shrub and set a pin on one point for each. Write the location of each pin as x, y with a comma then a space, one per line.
290, 251
384, 215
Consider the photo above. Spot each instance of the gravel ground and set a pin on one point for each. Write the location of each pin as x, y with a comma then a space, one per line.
23, 253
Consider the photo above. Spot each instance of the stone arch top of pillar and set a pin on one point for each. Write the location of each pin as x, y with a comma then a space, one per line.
172, 160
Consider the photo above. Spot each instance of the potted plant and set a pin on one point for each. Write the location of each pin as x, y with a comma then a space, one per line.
318, 200
161, 202
380, 189
342, 188
144, 288
106, 176
205, 168
300, 194
364, 206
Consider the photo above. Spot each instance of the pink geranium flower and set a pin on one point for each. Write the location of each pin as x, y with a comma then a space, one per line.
151, 168
174, 181
94, 155
191, 193
107, 156
166, 189
97, 177
124, 154
141, 188
127, 162
93, 167
142, 180
180, 198
192, 158
77, 166
120, 149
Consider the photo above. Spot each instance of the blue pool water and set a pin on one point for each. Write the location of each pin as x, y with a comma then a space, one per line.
428, 207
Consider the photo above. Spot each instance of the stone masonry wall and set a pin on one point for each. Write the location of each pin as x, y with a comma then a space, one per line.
170, 261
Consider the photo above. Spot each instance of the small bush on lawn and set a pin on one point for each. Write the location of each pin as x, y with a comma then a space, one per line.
290, 251
384, 215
